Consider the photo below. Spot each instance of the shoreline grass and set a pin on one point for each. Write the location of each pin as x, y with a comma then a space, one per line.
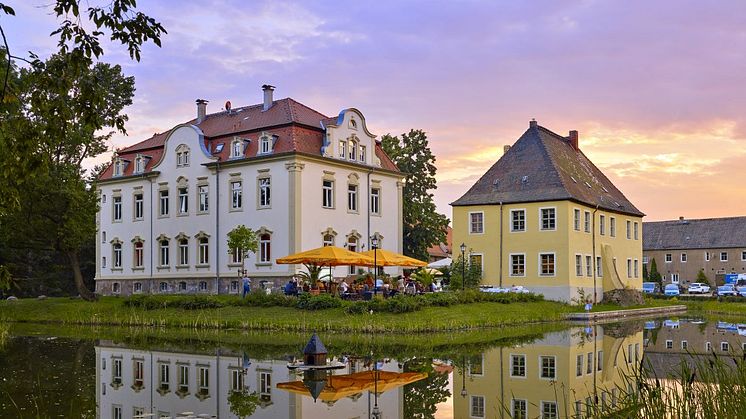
111, 311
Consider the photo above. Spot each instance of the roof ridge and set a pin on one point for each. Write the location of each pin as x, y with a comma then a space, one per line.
306, 106
551, 157
734, 217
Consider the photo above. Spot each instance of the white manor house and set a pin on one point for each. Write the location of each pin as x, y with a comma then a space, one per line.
299, 178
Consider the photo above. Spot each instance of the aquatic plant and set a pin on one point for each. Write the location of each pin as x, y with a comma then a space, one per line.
4, 334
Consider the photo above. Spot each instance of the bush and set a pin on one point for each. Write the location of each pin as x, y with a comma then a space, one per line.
357, 307
261, 299
318, 302
186, 302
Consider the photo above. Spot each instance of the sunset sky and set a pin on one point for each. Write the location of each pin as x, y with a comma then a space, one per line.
657, 89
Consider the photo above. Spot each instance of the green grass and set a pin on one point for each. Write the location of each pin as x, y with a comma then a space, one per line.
112, 311
716, 307
649, 303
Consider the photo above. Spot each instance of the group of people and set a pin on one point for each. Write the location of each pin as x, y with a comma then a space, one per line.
403, 285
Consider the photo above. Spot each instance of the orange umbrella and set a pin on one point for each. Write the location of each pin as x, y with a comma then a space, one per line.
389, 258
388, 380
328, 256
336, 387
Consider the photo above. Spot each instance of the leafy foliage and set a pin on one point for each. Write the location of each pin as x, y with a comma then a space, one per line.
421, 397
472, 272
702, 277
654, 275
243, 240
243, 403
423, 226
312, 275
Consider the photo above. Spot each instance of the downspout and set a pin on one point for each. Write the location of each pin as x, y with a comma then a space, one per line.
368, 205
217, 227
151, 235
593, 262
501, 244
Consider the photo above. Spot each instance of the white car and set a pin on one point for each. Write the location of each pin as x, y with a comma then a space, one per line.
698, 288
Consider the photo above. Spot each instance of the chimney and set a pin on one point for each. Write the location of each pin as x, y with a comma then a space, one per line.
506, 147
532, 123
201, 110
573, 137
681, 218
268, 89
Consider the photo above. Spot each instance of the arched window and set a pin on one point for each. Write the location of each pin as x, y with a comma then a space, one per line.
118, 167
353, 124
139, 255
265, 248
139, 164
265, 143
163, 287
182, 156
237, 149
328, 240
116, 288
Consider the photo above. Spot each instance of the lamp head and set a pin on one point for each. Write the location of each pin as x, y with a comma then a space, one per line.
463, 392
374, 242
463, 247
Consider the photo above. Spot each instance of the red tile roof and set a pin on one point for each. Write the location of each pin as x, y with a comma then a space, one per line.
442, 250
297, 128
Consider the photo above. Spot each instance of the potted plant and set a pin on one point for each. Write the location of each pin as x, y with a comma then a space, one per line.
313, 277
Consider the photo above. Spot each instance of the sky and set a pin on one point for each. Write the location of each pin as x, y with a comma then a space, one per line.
657, 89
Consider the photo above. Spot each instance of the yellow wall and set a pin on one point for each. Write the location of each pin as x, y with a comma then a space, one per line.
564, 241
499, 388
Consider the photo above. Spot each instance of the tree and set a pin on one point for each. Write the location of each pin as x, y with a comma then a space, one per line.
423, 226
421, 397
701, 277
654, 275
242, 240
243, 403
67, 108
473, 273
645, 275
79, 40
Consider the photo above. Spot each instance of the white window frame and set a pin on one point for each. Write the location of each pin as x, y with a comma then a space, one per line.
183, 194
683, 257
668, 257
576, 219
587, 221
480, 222
554, 258
236, 194
352, 198
164, 253
342, 152
203, 380
549, 403
723, 254
265, 145
138, 255
510, 256
541, 367
541, 219
601, 224
471, 406
612, 226
139, 206
578, 265
375, 201
599, 267
327, 194
636, 227
116, 249
117, 209
513, 220
362, 153
512, 365
524, 406
183, 244
724, 346
707, 256
203, 199
636, 268
629, 268
629, 230
203, 253
589, 266
675, 278
264, 191
265, 248
236, 149
163, 202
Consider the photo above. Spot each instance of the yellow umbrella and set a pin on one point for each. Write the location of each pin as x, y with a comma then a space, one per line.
328, 256
388, 380
335, 387
389, 258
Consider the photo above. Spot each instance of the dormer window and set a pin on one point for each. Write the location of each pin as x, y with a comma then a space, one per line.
237, 149
182, 156
139, 164
265, 144
118, 167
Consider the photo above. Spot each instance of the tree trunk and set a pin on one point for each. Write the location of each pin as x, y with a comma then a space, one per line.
79, 284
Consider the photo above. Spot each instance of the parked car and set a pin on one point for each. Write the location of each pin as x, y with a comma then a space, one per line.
651, 287
699, 288
519, 289
727, 290
671, 289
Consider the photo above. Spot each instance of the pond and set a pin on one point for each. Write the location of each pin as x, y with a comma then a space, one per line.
50, 371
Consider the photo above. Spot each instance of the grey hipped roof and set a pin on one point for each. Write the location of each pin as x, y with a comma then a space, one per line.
708, 233
314, 346
544, 166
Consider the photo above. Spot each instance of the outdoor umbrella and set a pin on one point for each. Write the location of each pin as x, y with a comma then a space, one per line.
389, 258
387, 380
328, 256
336, 387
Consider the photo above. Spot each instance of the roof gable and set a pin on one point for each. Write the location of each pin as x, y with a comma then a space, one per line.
544, 166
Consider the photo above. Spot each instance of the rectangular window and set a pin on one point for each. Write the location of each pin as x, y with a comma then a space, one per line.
183, 200
629, 229
520, 409
327, 194
163, 203
723, 256
116, 412
637, 230
547, 263
184, 378
265, 192
138, 372
265, 248
116, 371
669, 258
548, 410
599, 269
669, 344
204, 251
684, 345
588, 265
183, 252
707, 256
139, 255
600, 361
683, 257
636, 268
576, 219
518, 365
518, 220
548, 219
362, 153
589, 363
612, 226
237, 383
587, 222
578, 265
630, 354
602, 225
265, 145
164, 252
204, 201
675, 278
164, 376
548, 367
629, 268
352, 198
517, 265
342, 149
743, 255
724, 346
138, 206
645, 260
265, 386
477, 406
375, 201
352, 153
117, 208
579, 365
476, 222
117, 255
476, 260
236, 195
103, 262
204, 381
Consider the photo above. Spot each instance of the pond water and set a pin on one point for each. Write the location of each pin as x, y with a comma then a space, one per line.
120, 373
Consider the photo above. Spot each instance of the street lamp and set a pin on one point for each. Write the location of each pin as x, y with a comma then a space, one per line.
463, 267
376, 411
463, 378
374, 245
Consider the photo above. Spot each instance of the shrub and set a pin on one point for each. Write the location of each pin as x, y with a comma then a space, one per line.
185, 302
260, 299
400, 304
318, 302
357, 307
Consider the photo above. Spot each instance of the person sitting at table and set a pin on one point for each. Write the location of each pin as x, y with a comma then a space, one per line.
343, 287
291, 288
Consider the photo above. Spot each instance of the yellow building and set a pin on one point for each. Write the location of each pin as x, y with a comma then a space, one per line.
546, 218
563, 375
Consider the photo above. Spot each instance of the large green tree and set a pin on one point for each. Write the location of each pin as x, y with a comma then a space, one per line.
68, 108
422, 397
423, 225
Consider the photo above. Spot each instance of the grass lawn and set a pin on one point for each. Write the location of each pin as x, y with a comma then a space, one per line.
716, 307
111, 311
649, 303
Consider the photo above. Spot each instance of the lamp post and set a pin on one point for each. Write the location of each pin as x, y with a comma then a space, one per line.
463, 267
463, 377
376, 411
374, 245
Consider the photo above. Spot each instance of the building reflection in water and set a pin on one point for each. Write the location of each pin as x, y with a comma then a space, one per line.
134, 382
557, 376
